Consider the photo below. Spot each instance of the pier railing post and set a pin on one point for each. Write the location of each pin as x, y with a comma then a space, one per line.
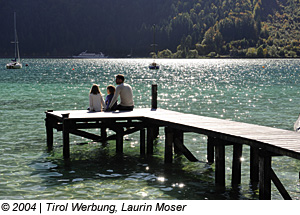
154, 97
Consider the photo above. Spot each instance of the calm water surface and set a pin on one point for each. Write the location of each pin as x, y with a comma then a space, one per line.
264, 92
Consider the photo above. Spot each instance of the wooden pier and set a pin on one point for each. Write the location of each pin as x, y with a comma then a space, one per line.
264, 142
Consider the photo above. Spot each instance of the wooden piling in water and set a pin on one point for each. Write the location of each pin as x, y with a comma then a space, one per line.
169, 133
236, 164
66, 136
219, 163
142, 142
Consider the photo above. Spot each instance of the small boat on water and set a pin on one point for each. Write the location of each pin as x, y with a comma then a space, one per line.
154, 65
86, 55
16, 62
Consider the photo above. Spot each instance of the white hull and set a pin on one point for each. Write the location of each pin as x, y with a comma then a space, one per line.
86, 55
14, 66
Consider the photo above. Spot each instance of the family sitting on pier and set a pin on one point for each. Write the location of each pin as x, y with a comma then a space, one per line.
97, 102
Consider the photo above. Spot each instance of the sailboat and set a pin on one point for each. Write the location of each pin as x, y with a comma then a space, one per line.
16, 63
154, 65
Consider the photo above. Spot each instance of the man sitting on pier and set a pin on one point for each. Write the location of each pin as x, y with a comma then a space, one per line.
126, 95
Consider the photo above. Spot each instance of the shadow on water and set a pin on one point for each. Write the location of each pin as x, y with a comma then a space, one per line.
98, 170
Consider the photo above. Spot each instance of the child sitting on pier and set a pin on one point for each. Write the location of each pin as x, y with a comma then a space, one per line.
110, 94
96, 99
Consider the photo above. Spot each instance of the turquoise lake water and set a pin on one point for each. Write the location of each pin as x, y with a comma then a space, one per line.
263, 92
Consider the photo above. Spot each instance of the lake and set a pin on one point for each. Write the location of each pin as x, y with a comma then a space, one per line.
258, 91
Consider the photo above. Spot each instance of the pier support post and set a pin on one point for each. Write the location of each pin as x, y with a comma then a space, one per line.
66, 136
169, 145
254, 166
220, 163
178, 137
150, 140
265, 161
103, 133
236, 164
119, 140
210, 150
142, 141
49, 132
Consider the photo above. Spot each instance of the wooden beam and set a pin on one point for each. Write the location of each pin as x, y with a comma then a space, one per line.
220, 163
236, 164
279, 186
265, 161
178, 138
169, 133
85, 134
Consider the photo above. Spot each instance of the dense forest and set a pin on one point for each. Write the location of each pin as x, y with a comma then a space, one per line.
183, 28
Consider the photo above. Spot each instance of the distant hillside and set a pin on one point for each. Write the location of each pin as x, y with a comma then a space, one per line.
184, 28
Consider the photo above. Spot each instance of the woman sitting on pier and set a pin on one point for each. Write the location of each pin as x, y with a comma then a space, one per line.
96, 99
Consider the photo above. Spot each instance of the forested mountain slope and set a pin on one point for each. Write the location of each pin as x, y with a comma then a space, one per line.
184, 28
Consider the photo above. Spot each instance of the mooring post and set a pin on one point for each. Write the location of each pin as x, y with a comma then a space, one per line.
154, 97
265, 162
49, 131
210, 150
150, 140
254, 165
142, 142
119, 140
169, 133
66, 136
220, 163
236, 164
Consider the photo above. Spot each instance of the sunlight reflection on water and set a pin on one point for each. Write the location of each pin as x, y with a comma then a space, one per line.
264, 92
